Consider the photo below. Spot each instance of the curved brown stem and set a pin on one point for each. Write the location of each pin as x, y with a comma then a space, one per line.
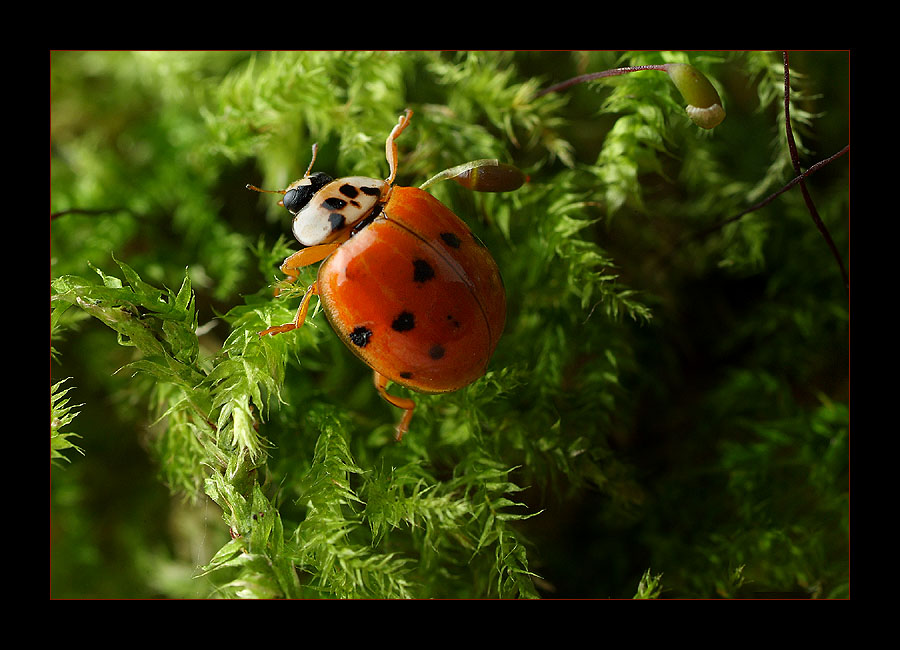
597, 75
795, 160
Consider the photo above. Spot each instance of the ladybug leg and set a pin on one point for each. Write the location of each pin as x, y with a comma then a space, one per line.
390, 147
310, 255
299, 318
400, 402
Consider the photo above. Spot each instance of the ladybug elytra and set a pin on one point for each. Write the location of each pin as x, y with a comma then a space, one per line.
404, 282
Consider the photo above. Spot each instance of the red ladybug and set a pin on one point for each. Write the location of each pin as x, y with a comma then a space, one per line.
405, 283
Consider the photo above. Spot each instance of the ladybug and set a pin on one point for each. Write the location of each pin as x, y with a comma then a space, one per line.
404, 282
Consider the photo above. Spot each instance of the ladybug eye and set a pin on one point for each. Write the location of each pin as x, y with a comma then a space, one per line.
296, 199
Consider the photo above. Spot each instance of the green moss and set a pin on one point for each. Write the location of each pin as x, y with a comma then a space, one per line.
669, 393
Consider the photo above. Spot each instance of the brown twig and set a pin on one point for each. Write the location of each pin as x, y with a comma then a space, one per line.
753, 208
766, 201
795, 160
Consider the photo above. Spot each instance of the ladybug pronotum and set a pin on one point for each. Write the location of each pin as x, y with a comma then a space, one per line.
404, 283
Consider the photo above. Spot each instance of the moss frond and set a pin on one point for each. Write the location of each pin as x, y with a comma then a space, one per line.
61, 415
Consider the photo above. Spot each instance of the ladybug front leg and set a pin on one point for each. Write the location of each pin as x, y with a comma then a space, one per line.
291, 268
310, 255
400, 402
390, 147
299, 318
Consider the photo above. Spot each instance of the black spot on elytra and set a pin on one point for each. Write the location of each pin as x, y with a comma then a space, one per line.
436, 351
360, 336
406, 375
370, 191
450, 239
336, 219
404, 322
422, 271
333, 203
349, 191
453, 321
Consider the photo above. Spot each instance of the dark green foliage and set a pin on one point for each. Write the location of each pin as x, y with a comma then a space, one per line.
666, 414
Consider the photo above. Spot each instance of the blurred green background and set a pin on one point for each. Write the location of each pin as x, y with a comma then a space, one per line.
724, 452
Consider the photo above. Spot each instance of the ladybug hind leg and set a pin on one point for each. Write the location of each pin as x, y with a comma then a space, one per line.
400, 402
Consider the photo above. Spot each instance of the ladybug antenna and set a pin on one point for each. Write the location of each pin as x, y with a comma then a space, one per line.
257, 189
315, 150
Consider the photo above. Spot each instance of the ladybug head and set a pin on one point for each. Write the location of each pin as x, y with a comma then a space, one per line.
299, 194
